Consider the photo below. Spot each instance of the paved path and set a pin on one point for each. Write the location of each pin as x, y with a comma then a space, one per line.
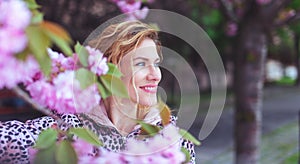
280, 107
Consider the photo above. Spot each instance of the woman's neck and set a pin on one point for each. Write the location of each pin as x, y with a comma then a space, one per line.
125, 114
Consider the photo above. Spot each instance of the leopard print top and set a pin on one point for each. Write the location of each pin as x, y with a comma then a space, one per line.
16, 137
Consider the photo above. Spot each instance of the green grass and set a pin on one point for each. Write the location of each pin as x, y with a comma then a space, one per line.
279, 144
285, 81
292, 159
277, 147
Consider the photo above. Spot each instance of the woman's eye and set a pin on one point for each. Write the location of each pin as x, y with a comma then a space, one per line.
156, 64
140, 64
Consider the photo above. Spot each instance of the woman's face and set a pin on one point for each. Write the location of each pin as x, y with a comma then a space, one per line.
141, 73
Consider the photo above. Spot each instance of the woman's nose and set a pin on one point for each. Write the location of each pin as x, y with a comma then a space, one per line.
154, 73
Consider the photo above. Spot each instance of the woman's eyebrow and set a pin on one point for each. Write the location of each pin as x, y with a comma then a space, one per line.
144, 58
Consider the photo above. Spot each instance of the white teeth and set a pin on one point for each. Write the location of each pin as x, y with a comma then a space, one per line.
149, 88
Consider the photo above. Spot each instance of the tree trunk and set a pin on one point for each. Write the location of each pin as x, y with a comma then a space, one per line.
297, 52
250, 55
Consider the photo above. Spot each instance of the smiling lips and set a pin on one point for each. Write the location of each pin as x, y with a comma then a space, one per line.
149, 88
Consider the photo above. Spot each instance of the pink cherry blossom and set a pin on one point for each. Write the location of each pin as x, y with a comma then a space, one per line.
12, 71
138, 14
97, 63
43, 93
231, 29
11, 40
32, 70
82, 147
70, 97
32, 153
64, 94
14, 14
129, 5
132, 8
140, 152
14, 18
162, 148
86, 100
60, 62
62, 91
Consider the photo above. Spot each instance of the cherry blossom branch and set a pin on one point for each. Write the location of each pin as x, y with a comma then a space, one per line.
21, 93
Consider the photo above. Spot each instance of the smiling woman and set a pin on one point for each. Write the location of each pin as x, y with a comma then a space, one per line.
134, 47
143, 75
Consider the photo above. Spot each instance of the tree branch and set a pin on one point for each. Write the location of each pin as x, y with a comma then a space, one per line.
227, 9
22, 94
288, 20
273, 8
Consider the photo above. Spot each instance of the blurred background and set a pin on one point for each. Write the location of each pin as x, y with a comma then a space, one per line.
258, 41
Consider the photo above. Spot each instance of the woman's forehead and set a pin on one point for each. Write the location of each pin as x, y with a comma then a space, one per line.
147, 49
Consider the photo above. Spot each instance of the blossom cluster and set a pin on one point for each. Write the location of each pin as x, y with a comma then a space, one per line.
133, 8
96, 62
57, 92
14, 18
163, 148
62, 91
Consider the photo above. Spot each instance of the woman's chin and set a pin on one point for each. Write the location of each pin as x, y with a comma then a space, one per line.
148, 103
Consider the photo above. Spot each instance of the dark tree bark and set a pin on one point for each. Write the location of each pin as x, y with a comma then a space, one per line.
250, 56
248, 83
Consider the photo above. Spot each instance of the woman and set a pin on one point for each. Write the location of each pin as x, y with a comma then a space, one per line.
134, 47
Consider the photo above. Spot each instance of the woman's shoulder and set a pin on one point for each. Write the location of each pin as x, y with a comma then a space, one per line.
16, 136
44, 122
72, 120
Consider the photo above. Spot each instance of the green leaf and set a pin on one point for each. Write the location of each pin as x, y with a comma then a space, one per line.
114, 85
103, 91
86, 135
186, 135
62, 44
65, 153
295, 27
56, 29
46, 139
37, 17
23, 55
31, 4
187, 154
212, 18
212, 33
165, 113
58, 35
46, 156
85, 77
45, 65
38, 44
151, 130
82, 54
294, 4
113, 70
